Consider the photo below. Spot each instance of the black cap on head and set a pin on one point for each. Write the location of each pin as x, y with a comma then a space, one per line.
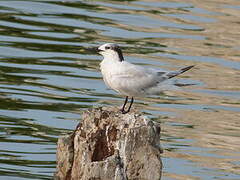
119, 51
113, 47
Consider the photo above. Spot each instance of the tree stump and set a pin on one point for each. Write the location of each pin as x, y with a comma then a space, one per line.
108, 145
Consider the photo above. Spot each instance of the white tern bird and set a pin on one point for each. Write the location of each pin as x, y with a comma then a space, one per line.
129, 79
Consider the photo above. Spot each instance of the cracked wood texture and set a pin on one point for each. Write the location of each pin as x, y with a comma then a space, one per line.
108, 145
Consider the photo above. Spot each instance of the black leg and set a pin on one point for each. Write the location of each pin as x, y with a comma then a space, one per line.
130, 105
123, 108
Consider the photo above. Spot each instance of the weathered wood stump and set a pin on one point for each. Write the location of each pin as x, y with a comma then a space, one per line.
108, 145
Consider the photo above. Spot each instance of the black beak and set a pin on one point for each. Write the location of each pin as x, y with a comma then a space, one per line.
94, 49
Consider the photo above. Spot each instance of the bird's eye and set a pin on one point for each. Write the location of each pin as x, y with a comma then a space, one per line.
107, 47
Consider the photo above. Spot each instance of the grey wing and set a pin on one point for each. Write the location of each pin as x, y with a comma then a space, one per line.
139, 78
163, 75
146, 78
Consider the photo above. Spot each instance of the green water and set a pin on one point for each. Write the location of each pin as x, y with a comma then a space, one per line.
47, 78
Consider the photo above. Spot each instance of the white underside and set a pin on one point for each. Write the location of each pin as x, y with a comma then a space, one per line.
131, 80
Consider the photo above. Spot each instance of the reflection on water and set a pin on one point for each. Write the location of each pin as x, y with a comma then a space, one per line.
48, 78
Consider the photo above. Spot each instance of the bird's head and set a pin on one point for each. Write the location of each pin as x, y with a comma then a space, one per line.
111, 50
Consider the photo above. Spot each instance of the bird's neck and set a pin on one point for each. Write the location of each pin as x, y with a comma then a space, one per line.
113, 57
109, 63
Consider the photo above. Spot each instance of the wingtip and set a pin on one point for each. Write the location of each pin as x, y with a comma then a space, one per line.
187, 68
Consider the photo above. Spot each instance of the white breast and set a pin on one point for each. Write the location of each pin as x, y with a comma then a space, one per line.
128, 79
107, 70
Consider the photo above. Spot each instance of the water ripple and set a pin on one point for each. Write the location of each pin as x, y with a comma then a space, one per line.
48, 77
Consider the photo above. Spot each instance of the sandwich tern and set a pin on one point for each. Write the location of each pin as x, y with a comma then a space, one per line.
129, 79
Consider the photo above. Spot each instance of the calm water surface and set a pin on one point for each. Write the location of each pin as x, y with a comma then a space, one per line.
48, 78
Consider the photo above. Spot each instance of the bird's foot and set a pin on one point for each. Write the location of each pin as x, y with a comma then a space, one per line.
123, 111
